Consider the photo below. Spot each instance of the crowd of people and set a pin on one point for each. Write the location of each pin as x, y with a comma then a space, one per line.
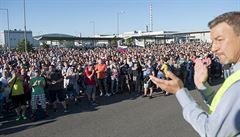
58, 74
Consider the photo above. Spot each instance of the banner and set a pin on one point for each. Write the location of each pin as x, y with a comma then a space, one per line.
140, 43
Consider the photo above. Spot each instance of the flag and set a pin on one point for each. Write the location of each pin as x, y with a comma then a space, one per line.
122, 49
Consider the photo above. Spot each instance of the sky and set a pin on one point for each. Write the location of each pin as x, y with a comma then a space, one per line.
76, 17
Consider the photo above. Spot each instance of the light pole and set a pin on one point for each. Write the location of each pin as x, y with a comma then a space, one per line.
9, 47
25, 28
93, 22
118, 13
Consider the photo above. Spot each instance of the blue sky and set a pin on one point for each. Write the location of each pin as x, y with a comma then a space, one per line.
74, 16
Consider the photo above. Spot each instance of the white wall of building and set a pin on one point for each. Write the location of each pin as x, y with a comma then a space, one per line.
204, 37
15, 37
2, 40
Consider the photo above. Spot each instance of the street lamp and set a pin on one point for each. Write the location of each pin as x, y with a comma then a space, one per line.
118, 13
8, 28
93, 22
25, 28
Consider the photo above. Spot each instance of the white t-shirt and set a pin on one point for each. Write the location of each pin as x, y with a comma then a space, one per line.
6, 87
4, 82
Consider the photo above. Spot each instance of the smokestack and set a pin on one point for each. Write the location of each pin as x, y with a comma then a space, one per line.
151, 19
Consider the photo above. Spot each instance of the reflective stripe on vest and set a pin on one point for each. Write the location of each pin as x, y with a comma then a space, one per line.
226, 85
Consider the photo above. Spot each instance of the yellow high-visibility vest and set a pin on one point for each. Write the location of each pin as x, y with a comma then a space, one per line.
226, 85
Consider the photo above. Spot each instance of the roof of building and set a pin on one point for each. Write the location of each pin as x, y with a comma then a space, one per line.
70, 37
55, 35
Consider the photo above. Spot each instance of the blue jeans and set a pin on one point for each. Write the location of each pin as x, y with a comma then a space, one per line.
114, 84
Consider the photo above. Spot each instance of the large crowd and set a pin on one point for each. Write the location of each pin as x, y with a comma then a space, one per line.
48, 76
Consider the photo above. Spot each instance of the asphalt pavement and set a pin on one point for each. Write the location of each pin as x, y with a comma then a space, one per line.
121, 115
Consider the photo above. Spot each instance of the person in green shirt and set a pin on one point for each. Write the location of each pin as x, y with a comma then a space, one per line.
38, 95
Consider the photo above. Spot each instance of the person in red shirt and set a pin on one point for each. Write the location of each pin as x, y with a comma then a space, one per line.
90, 83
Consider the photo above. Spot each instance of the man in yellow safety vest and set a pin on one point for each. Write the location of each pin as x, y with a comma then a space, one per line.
223, 117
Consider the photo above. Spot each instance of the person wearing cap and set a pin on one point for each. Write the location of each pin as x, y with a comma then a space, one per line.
223, 117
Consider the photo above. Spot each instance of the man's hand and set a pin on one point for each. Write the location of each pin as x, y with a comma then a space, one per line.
200, 73
171, 86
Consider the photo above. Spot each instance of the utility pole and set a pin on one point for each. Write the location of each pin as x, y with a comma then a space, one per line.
25, 28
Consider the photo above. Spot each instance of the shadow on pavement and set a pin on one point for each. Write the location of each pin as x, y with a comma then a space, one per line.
8, 125
18, 128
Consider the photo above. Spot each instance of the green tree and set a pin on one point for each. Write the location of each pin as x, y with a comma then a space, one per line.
129, 41
21, 46
45, 45
68, 44
114, 41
